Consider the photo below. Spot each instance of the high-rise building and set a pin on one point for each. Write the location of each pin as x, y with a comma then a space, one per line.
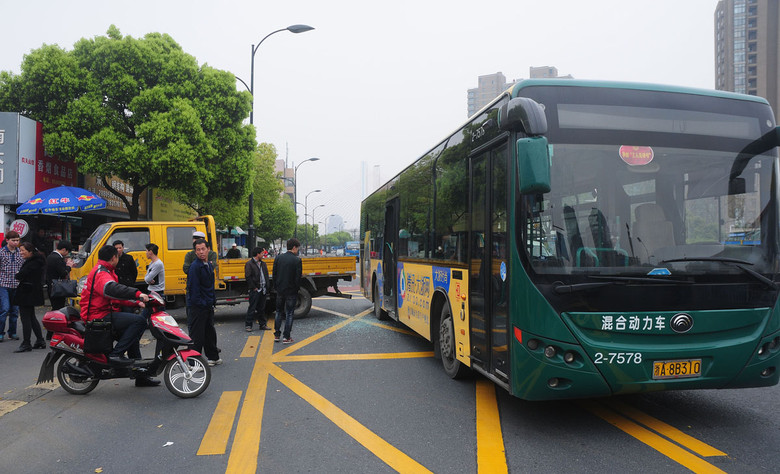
287, 175
492, 85
746, 48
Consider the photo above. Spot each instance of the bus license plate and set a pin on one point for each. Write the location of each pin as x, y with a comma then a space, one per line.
676, 369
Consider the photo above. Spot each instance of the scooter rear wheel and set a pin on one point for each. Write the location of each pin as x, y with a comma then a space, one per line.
74, 383
190, 383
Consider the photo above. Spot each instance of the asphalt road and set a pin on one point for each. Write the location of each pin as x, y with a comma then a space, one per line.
355, 395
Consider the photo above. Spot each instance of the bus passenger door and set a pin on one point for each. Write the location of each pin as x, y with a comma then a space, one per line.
390, 258
488, 266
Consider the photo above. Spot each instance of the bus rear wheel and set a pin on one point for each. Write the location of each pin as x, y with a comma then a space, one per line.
452, 366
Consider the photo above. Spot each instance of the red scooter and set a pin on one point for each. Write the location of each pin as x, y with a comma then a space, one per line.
186, 372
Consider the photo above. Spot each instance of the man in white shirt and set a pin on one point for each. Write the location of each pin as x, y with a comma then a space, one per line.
155, 273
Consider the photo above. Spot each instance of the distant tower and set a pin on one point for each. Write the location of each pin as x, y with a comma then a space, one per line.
746, 48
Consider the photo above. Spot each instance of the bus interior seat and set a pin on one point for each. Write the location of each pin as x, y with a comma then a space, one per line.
651, 228
599, 229
572, 229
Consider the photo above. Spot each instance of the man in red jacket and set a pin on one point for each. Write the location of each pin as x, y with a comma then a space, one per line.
102, 295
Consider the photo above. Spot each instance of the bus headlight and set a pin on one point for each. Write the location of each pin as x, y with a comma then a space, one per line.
550, 352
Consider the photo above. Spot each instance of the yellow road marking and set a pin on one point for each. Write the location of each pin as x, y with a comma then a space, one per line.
391, 328
216, 438
385, 451
377, 356
664, 429
491, 456
667, 448
7, 406
250, 346
246, 444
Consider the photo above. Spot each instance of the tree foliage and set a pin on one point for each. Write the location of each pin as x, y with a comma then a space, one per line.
142, 110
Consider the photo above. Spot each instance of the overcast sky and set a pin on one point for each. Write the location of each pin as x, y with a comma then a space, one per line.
381, 83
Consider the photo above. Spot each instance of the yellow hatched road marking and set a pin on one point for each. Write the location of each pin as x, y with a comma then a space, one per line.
491, 455
667, 448
377, 356
703, 449
280, 355
246, 444
385, 451
216, 438
250, 346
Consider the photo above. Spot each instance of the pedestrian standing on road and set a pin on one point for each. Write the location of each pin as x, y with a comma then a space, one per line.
257, 280
200, 286
10, 263
29, 294
189, 257
155, 274
125, 270
287, 280
57, 268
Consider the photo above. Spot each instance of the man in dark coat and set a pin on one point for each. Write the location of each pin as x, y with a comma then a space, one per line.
57, 269
125, 268
257, 281
288, 268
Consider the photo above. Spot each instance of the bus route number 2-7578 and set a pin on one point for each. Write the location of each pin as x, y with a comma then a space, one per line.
618, 358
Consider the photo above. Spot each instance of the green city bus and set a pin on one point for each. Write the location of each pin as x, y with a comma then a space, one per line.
577, 239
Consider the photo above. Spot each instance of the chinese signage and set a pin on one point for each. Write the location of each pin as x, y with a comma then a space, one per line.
166, 209
50, 171
113, 203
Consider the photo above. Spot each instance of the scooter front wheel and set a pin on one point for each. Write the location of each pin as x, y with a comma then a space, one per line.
189, 382
71, 381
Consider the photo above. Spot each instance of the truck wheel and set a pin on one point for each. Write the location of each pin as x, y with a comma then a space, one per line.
303, 304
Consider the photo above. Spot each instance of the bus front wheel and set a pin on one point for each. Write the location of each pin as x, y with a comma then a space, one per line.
378, 312
452, 366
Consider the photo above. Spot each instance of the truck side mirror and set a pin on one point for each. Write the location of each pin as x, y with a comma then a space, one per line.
533, 165
522, 114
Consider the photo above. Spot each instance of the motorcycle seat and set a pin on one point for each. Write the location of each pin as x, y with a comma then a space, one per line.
78, 326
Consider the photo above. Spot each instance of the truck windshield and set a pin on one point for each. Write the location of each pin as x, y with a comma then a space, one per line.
86, 249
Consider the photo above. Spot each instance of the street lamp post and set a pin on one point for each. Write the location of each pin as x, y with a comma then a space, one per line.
312, 218
306, 213
295, 193
292, 29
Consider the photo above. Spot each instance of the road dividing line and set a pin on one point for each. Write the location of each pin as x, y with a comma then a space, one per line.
246, 444
667, 448
250, 346
699, 447
217, 434
491, 455
385, 451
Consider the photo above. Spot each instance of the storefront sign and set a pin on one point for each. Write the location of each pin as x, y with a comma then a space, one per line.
21, 226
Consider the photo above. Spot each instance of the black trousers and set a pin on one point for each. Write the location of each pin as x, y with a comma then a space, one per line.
202, 332
29, 324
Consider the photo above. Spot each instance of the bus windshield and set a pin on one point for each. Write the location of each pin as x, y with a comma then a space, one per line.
641, 194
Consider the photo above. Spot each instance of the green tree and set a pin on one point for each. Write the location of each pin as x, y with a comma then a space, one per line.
141, 110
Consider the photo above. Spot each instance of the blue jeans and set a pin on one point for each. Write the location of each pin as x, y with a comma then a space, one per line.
6, 295
286, 304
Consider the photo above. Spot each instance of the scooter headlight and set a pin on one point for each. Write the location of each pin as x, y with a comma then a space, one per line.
165, 319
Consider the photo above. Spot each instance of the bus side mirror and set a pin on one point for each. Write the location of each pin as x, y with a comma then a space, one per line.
522, 114
533, 165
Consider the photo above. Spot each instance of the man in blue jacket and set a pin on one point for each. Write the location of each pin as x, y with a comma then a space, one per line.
200, 287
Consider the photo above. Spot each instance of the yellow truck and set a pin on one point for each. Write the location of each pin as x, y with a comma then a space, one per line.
321, 275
